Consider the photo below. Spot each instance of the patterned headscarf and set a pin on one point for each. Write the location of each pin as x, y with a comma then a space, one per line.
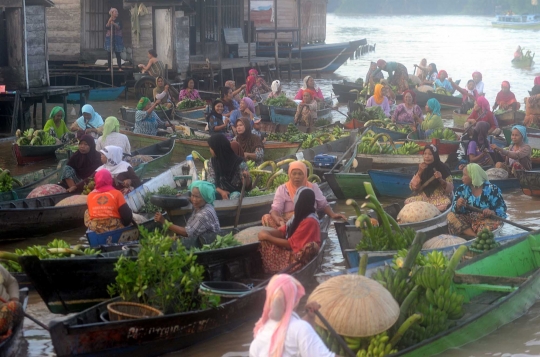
55, 110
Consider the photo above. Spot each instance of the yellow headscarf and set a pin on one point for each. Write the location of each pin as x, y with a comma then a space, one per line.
377, 94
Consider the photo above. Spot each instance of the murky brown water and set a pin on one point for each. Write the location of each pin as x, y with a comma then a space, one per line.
452, 42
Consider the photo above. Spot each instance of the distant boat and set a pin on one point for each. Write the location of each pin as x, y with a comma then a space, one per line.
99, 94
526, 21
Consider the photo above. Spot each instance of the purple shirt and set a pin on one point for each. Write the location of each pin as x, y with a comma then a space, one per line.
283, 202
402, 115
384, 105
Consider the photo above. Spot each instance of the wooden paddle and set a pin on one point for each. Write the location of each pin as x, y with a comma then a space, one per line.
424, 185
167, 117
344, 154
333, 332
39, 323
237, 218
478, 210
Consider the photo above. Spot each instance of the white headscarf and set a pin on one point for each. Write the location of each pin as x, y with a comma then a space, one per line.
115, 165
276, 85
306, 78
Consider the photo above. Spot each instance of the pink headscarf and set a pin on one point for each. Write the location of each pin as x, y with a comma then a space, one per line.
103, 179
505, 83
477, 73
442, 71
483, 103
286, 288
537, 81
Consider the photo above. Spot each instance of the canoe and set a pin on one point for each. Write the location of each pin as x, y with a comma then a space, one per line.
529, 181
285, 116
86, 333
523, 62
10, 346
459, 119
445, 147
389, 161
28, 154
510, 118
161, 154
446, 101
32, 180
533, 135
343, 91
128, 115
99, 94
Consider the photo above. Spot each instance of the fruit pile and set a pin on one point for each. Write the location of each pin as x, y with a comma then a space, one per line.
409, 148
293, 135
442, 91
188, 103
443, 134
378, 345
281, 101
89, 187
37, 137
484, 241
6, 181
370, 145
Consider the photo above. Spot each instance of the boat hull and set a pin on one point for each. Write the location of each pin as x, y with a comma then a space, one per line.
343, 91
529, 182
447, 101
27, 154
285, 116
445, 147
388, 161
10, 346
99, 95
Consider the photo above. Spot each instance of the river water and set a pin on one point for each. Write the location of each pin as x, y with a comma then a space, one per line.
458, 44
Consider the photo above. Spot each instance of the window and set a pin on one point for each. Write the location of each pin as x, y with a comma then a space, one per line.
95, 16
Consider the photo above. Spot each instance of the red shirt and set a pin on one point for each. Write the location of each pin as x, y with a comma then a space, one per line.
487, 118
308, 231
105, 204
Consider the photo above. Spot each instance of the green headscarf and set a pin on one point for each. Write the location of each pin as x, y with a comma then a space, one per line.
56, 110
207, 190
143, 102
111, 125
477, 175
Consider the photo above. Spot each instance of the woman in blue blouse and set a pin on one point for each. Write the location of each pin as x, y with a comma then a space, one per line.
146, 120
478, 192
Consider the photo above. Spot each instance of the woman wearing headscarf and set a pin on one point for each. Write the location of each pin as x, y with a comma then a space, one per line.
114, 25
518, 155
280, 331
432, 120
107, 207
203, 218
482, 112
56, 122
478, 84
306, 112
478, 192
81, 164
397, 74
112, 136
439, 191
506, 100
188, 91
536, 88
298, 241
309, 84
276, 89
226, 170
373, 76
245, 110
217, 123
408, 112
161, 92
379, 100
283, 205
478, 150
421, 70
237, 149
443, 82
125, 178
236, 92
250, 143
255, 86
146, 120
90, 122
229, 103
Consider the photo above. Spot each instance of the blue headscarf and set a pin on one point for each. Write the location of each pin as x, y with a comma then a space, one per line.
435, 106
207, 190
95, 122
523, 131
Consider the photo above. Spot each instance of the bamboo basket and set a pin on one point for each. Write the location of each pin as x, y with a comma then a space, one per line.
122, 310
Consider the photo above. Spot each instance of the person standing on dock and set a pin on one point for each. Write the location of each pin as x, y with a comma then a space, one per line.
117, 44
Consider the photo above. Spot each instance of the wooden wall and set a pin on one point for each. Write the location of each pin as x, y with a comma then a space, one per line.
146, 39
12, 75
64, 30
36, 46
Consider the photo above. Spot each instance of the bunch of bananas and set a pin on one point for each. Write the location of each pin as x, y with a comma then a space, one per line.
378, 346
451, 303
366, 147
430, 277
436, 259
34, 137
409, 148
442, 91
395, 282
444, 134
330, 342
399, 258
535, 153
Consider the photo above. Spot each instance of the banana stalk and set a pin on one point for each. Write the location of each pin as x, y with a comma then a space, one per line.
64, 251
454, 261
285, 162
363, 219
309, 166
378, 123
383, 135
197, 156
268, 163
362, 267
314, 178
271, 179
404, 328
406, 304
376, 206
414, 250
9, 256
206, 165
17, 181
351, 202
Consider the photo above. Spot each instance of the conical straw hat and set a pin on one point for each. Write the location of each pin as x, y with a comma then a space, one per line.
355, 306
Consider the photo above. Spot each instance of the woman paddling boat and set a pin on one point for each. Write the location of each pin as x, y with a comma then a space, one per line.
146, 120
506, 100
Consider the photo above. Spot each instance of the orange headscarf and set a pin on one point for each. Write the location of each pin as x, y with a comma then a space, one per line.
377, 94
297, 165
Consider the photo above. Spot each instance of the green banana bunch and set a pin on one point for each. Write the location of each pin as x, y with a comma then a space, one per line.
436, 259
409, 148
398, 286
451, 303
379, 346
402, 254
535, 153
432, 277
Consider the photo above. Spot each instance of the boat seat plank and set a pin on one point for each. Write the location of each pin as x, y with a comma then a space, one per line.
488, 287
489, 280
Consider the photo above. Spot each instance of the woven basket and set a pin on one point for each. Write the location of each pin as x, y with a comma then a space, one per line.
119, 311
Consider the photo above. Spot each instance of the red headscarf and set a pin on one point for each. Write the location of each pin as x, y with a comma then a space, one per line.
442, 71
505, 99
537, 81
251, 80
381, 63
310, 92
477, 73
411, 92
483, 104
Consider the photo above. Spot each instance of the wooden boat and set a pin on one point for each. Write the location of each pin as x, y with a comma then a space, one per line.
505, 185
459, 119
523, 62
510, 118
445, 147
529, 181
87, 333
161, 154
32, 180
128, 115
389, 161
99, 94
28, 154
533, 135
394, 135
521, 22
285, 116
446, 101
9, 346
343, 91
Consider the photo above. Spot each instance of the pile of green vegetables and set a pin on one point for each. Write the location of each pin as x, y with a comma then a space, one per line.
386, 236
149, 207
165, 275
221, 242
189, 103
56, 249
293, 135
535, 154
485, 240
37, 137
280, 101
7, 181
387, 123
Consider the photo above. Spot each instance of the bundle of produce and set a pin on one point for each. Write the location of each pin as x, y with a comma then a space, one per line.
409, 148
442, 91
388, 124
484, 241
280, 101
89, 187
371, 145
293, 135
149, 207
73, 201
221, 242
56, 249
444, 134
535, 153
37, 137
6, 181
189, 103
388, 235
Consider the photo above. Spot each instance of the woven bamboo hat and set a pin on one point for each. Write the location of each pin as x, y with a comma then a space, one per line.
355, 306
443, 240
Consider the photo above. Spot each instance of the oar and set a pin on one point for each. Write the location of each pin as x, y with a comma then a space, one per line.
344, 154
478, 210
167, 117
424, 185
237, 218
333, 332
39, 323
340, 112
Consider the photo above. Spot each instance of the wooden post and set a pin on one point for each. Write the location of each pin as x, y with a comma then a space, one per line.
300, 35
249, 31
220, 26
43, 111
275, 37
112, 50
